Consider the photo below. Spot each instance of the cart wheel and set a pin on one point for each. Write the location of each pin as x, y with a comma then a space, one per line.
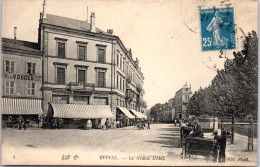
16, 126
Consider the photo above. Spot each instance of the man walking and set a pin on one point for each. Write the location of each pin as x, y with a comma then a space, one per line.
148, 124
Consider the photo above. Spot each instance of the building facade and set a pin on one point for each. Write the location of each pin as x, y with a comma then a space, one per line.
182, 98
21, 79
85, 65
171, 107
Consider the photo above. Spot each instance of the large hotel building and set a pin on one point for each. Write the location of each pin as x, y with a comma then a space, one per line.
79, 71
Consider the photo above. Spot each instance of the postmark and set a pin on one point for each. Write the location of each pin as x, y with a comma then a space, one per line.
217, 29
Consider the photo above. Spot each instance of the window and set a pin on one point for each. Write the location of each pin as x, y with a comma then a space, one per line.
186, 97
31, 88
81, 76
82, 52
120, 62
117, 80
123, 66
9, 87
101, 55
9, 66
120, 83
117, 60
81, 99
101, 100
123, 85
101, 79
60, 75
31, 68
61, 49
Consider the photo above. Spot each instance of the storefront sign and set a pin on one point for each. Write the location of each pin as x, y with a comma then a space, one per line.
23, 77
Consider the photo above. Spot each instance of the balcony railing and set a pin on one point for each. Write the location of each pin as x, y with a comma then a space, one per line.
81, 86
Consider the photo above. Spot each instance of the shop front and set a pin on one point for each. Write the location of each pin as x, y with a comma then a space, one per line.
79, 116
124, 117
29, 110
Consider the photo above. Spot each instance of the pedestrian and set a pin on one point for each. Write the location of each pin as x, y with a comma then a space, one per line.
20, 122
148, 124
106, 123
175, 121
222, 140
55, 123
26, 123
60, 122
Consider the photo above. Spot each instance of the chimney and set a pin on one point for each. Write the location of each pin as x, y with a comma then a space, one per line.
15, 32
92, 22
43, 10
110, 31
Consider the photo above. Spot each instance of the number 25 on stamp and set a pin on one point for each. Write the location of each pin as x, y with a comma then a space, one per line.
217, 29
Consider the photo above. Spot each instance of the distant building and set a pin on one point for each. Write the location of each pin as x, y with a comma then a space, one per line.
182, 98
171, 107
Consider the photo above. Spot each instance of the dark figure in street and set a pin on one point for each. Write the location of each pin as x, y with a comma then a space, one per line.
197, 132
222, 140
55, 123
106, 123
26, 123
20, 122
148, 124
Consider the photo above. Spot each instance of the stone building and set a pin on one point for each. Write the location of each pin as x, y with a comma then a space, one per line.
21, 79
87, 66
182, 98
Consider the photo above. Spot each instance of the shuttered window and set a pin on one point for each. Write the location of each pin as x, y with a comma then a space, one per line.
61, 50
81, 76
101, 79
82, 52
101, 55
60, 75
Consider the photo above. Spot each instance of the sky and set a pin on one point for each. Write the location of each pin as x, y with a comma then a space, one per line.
163, 34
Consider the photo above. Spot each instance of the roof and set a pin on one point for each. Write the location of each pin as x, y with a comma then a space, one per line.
21, 106
70, 23
8, 43
81, 111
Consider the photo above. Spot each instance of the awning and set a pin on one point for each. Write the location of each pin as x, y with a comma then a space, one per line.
126, 112
81, 111
21, 106
138, 114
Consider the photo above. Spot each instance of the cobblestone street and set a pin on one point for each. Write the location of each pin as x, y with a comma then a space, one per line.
159, 145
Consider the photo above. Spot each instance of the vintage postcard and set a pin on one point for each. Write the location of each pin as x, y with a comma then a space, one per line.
129, 83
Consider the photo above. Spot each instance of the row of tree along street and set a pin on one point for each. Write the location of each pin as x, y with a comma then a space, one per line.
233, 91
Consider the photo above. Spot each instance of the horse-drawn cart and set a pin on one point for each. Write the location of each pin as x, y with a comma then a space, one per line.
200, 146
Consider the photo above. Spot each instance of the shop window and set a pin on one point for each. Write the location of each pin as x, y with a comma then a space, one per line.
101, 100
81, 99
81, 76
9, 66
61, 99
31, 88
82, 52
60, 75
9, 87
61, 49
31, 68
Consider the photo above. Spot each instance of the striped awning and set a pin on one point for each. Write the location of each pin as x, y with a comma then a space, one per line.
81, 111
138, 114
126, 112
21, 106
